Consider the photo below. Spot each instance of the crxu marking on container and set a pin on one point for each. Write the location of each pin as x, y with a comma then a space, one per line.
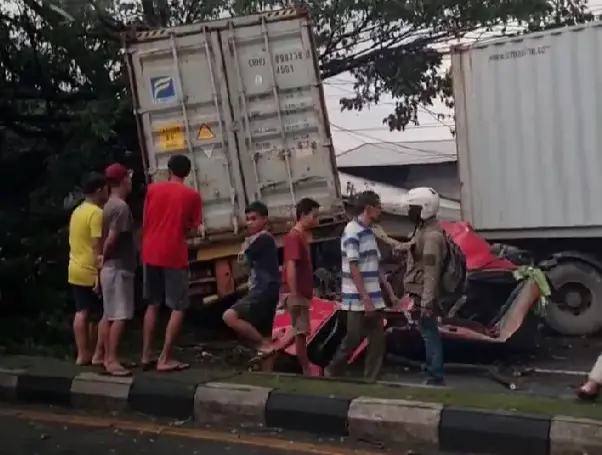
205, 133
256, 61
171, 137
163, 89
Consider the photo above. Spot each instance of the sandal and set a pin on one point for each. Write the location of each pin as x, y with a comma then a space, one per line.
148, 366
172, 367
262, 354
117, 373
584, 395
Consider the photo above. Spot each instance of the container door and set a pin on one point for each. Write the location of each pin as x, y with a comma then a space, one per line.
182, 99
284, 144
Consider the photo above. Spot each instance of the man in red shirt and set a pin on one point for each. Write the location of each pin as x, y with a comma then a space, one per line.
297, 276
171, 210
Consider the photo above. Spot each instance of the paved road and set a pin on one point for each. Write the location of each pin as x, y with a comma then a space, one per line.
35, 432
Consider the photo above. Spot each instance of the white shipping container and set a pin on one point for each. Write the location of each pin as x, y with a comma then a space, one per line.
243, 98
529, 133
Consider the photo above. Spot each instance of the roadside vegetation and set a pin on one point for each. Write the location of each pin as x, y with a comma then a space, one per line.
65, 108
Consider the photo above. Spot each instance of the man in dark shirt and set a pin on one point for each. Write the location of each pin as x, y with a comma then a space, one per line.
297, 276
118, 264
252, 317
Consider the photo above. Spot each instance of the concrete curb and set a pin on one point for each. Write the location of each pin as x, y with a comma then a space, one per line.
430, 426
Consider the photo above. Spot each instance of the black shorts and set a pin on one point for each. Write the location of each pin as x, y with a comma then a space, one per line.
87, 300
258, 308
163, 284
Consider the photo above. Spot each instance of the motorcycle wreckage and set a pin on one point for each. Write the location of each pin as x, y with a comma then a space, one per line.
500, 311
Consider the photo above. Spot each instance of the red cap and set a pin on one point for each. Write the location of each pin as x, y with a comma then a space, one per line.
116, 172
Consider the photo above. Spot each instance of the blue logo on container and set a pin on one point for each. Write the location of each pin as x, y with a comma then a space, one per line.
163, 89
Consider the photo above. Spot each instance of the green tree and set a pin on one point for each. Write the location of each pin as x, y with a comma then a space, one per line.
65, 107
64, 110
395, 48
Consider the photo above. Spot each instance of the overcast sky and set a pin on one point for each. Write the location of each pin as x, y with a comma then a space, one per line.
350, 129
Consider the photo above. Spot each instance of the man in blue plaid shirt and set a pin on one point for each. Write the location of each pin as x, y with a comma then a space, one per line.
362, 297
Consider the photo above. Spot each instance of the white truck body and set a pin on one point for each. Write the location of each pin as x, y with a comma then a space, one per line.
243, 98
529, 133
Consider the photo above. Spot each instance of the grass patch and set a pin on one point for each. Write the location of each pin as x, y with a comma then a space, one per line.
516, 401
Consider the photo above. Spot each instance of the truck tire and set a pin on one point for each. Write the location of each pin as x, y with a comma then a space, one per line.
576, 307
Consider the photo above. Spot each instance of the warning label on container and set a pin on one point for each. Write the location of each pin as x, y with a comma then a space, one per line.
172, 137
205, 133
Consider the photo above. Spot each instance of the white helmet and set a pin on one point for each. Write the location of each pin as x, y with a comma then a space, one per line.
427, 198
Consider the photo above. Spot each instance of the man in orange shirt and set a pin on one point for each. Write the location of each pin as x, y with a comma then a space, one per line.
298, 277
171, 210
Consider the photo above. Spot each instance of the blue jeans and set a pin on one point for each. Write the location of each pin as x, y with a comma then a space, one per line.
432, 347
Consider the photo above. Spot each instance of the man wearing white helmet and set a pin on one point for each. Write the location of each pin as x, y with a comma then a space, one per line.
423, 273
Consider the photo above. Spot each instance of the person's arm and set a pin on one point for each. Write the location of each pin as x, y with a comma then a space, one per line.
292, 254
96, 236
432, 258
196, 213
119, 222
386, 286
147, 198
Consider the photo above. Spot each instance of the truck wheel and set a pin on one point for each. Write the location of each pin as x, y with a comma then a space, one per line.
576, 307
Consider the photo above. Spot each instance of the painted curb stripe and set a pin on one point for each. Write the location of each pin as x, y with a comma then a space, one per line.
8, 384
308, 413
34, 388
495, 433
162, 397
459, 430
95, 391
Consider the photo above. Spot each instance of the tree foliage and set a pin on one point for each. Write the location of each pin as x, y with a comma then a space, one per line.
65, 107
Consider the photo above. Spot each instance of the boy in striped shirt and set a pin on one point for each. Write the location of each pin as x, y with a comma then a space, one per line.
362, 297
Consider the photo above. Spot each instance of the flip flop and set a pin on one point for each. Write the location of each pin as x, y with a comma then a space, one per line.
117, 373
262, 354
176, 366
148, 366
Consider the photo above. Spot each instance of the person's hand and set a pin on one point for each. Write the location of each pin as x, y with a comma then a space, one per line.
99, 261
392, 299
96, 287
368, 305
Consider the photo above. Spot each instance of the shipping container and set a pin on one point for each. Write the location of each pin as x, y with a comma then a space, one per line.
243, 98
529, 136
529, 141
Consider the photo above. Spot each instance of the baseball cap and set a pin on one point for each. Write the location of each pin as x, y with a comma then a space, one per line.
116, 172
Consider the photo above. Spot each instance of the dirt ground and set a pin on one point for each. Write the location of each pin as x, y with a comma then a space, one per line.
575, 356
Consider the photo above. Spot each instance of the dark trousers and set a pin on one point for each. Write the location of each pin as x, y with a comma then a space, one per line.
360, 326
432, 346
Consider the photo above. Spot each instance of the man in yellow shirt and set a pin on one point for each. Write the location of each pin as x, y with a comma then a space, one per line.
85, 232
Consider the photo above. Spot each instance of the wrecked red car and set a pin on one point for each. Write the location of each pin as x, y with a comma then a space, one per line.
496, 310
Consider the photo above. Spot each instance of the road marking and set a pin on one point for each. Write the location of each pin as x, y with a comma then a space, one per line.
190, 433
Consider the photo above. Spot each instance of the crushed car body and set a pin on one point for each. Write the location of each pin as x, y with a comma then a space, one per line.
501, 307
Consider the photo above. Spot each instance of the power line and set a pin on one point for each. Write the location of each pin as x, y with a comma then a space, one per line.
435, 115
409, 127
401, 148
